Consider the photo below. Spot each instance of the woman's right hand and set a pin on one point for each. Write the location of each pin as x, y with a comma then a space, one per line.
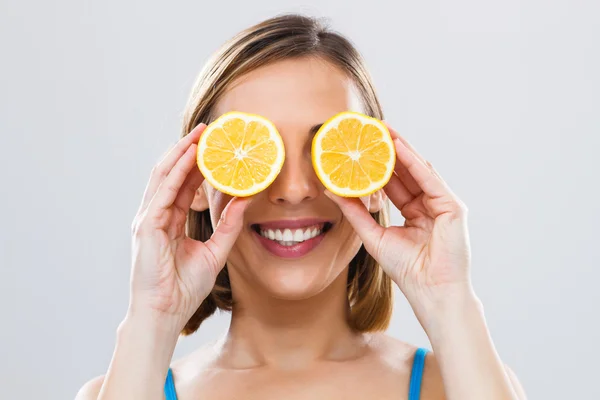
172, 273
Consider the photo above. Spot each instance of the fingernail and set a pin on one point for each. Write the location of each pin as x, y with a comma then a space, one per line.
198, 127
222, 217
225, 211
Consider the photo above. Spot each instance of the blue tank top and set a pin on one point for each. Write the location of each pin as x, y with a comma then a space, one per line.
414, 390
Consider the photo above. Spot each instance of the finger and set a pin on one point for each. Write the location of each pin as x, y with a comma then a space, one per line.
228, 229
407, 180
164, 167
170, 187
367, 229
187, 193
423, 173
397, 192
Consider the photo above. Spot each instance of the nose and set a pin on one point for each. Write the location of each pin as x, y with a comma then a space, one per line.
297, 181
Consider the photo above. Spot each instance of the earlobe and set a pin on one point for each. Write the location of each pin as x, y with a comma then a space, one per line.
200, 202
375, 201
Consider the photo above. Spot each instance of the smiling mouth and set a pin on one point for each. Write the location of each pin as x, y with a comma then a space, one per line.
292, 236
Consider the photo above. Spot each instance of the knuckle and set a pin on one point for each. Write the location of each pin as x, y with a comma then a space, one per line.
134, 226
140, 225
138, 229
212, 260
432, 169
460, 207
172, 189
189, 190
158, 171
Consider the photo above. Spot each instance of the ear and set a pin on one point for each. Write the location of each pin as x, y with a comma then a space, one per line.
200, 202
375, 201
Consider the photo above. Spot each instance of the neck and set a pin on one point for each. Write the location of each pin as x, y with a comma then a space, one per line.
291, 334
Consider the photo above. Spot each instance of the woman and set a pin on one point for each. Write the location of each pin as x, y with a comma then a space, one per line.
308, 326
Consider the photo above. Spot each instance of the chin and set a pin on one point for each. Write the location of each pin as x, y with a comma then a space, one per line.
294, 282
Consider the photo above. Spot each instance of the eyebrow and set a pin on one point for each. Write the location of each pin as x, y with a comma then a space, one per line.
314, 129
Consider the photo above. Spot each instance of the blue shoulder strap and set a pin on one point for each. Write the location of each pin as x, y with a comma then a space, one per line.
416, 375
170, 387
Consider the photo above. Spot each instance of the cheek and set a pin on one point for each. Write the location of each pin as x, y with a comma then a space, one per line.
353, 244
346, 244
241, 254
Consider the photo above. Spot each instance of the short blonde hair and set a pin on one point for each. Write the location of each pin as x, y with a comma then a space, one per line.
284, 37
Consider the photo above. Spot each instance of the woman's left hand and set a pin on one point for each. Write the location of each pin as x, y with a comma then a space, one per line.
429, 257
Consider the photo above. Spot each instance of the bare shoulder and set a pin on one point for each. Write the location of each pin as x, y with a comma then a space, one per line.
432, 387
185, 372
91, 389
401, 355
195, 370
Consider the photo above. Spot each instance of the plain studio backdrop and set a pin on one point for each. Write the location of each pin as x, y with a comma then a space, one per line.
501, 96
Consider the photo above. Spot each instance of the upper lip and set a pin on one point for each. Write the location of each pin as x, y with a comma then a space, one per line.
291, 223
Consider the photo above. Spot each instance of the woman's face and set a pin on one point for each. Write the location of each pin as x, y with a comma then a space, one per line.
297, 96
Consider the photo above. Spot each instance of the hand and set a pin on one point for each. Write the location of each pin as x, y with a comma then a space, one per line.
429, 257
172, 273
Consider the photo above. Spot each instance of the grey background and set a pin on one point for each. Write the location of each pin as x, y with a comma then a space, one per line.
502, 97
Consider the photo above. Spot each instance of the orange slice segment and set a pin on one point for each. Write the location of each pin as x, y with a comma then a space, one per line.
353, 154
240, 154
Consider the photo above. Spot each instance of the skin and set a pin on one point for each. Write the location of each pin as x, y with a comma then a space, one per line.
288, 335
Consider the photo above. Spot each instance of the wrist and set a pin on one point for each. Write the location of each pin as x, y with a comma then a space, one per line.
152, 325
147, 339
141, 358
445, 308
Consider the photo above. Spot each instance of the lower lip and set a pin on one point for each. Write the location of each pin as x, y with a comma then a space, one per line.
295, 251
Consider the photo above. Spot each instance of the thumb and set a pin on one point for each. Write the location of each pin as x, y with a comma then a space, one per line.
228, 229
367, 229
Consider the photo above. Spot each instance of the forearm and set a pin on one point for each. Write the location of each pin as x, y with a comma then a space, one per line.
469, 363
142, 355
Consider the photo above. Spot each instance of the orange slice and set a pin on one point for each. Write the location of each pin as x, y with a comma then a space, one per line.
353, 154
240, 154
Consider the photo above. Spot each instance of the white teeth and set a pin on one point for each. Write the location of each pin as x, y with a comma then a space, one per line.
307, 234
287, 236
298, 235
290, 237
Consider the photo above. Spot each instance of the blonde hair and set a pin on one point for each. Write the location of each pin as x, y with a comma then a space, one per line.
284, 37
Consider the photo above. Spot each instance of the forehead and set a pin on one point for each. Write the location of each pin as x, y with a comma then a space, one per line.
303, 90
